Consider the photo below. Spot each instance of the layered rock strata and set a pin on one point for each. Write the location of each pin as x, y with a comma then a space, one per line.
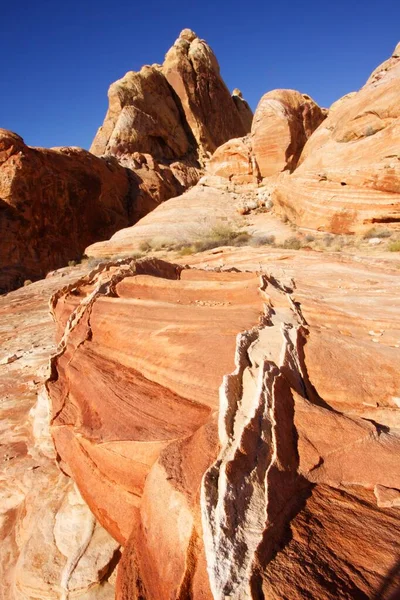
239, 460
51, 546
283, 122
348, 178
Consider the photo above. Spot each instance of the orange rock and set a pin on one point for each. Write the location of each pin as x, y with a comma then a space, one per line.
181, 110
53, 202
348, 176
283, 122
228, 398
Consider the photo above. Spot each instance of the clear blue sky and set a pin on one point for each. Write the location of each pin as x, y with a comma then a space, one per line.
59, 56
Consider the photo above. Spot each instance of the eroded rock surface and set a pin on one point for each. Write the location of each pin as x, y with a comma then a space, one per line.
52, 202
349, 172
248, 447
180, 111
50, 544
282, 124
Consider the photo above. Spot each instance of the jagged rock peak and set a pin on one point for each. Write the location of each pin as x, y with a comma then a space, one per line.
181, 110
187, 34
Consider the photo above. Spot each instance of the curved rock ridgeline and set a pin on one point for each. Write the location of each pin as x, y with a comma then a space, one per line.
283, 122
213, 390
348, 178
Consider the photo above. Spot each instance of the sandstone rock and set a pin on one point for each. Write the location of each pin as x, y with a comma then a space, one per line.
283, 122
181, 110
50, 544
348, 175
247, 469
245, 112
53, 202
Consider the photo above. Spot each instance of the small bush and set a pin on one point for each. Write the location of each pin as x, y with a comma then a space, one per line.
27, 282
186, 251
266, 240
145, 246
292, 243
394, 246
328, 239
72, 263
377, 233
309, 238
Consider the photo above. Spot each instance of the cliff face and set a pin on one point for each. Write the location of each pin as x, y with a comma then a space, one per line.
179, 111
53, 202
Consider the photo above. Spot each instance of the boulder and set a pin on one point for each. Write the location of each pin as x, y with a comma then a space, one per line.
282, 124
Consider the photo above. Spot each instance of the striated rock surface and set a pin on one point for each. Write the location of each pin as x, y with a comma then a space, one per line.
348, 177
249, 452
180, 111
282, 124
50, 544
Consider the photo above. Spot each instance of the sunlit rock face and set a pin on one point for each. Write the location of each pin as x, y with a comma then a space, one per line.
178, 112
283, 122
348, 177
241, 430
51, 203
51, 546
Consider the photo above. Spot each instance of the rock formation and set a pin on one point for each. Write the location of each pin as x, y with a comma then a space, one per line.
246, 450
50, 543
283, 122
52, 203
179, 112
161, 124
348, 177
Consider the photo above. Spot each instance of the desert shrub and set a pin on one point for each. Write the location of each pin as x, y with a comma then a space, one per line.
292, 243
186, 251
377, 233
221, 235
145, 246
309, 238
72, 263
328, 239
265, 240
27, 282
394, 246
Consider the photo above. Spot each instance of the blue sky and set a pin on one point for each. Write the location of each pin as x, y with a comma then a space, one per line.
59, 57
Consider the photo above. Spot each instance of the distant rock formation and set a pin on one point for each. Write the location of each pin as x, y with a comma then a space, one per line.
282, 124
348, 178
178, 112
162, 124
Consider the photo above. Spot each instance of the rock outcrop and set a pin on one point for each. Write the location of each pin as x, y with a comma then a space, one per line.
282, 124
247, 450
53, 203
178, 112
50, 544
348, 176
